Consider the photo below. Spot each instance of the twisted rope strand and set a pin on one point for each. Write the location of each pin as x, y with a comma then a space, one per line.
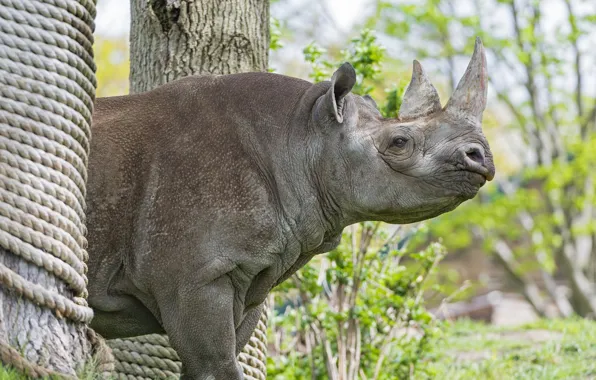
47, 87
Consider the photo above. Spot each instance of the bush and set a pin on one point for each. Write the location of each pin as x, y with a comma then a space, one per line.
356, 312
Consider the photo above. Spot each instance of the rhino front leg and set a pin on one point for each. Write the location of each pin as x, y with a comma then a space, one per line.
247, 327
200, 324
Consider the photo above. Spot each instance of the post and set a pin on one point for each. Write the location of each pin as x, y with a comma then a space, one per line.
47, 89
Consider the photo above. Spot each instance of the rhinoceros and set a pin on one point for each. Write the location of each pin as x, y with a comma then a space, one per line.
207, 192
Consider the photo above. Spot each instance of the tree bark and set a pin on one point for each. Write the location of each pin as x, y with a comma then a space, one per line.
42, 338
171, 39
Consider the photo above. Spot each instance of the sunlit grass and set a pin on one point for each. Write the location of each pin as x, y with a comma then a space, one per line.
548, 349
88, 373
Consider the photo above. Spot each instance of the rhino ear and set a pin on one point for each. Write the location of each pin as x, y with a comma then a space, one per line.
342, 82
421, 97
469, 98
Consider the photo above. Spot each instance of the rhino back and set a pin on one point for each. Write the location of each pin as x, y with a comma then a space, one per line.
182, 176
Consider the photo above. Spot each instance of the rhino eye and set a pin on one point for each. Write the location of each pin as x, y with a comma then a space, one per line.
399, 142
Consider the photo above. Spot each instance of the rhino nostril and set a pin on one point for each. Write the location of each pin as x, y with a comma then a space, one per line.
475, 154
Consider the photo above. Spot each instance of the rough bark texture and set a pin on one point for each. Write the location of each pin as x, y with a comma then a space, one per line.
171, 39
51, 342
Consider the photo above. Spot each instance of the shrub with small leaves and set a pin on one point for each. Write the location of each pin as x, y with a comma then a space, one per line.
358, 311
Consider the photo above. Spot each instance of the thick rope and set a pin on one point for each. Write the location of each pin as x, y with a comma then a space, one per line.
151, 356
47, 89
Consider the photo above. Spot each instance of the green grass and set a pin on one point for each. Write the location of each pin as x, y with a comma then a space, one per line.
10, 374
548, 349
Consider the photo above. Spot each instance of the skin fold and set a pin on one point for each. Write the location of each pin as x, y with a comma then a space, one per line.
205, 193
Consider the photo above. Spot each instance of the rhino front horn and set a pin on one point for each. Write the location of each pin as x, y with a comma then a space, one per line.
469, 98
421, 97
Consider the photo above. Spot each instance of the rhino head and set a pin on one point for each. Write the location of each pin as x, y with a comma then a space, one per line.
417, 166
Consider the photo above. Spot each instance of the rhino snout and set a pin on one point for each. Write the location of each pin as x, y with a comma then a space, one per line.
476, 160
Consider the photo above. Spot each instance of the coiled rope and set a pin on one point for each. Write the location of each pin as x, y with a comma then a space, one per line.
47, 89
151, 356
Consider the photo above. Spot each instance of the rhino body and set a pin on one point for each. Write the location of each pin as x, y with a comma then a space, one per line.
205, 193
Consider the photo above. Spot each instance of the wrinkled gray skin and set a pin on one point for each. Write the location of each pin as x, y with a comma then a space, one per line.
205, 193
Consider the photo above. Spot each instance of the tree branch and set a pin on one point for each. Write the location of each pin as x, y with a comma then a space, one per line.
527, 222
544, 156
578, 58
533, 137
589, 119
326, 346
582, 288
584, 292
530, 289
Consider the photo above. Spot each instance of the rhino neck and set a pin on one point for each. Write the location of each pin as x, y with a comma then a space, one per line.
273, 124
309, 207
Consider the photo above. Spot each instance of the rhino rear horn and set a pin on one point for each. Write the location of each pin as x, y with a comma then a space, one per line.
421, 97
469, 98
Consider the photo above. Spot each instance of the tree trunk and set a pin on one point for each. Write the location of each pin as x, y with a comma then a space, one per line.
35, 332
171, 39
47, 88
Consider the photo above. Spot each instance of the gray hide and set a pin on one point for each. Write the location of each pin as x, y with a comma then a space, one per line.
205, 193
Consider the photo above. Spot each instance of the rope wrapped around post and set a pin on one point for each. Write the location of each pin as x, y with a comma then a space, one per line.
151, 357
47, 90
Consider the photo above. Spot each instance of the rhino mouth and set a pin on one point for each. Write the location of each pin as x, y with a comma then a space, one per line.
477, 177
487, 171
469, 183
471, 175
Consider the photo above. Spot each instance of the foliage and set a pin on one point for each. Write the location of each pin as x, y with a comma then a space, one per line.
111, 58
364, 53
275, 33
10, 374
356, 312
367, 56
539, 68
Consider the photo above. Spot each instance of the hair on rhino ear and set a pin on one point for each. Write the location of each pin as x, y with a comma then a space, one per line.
342, 82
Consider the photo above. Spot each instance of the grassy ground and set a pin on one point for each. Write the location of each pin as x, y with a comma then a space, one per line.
548, 349
8, 374
11, 374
